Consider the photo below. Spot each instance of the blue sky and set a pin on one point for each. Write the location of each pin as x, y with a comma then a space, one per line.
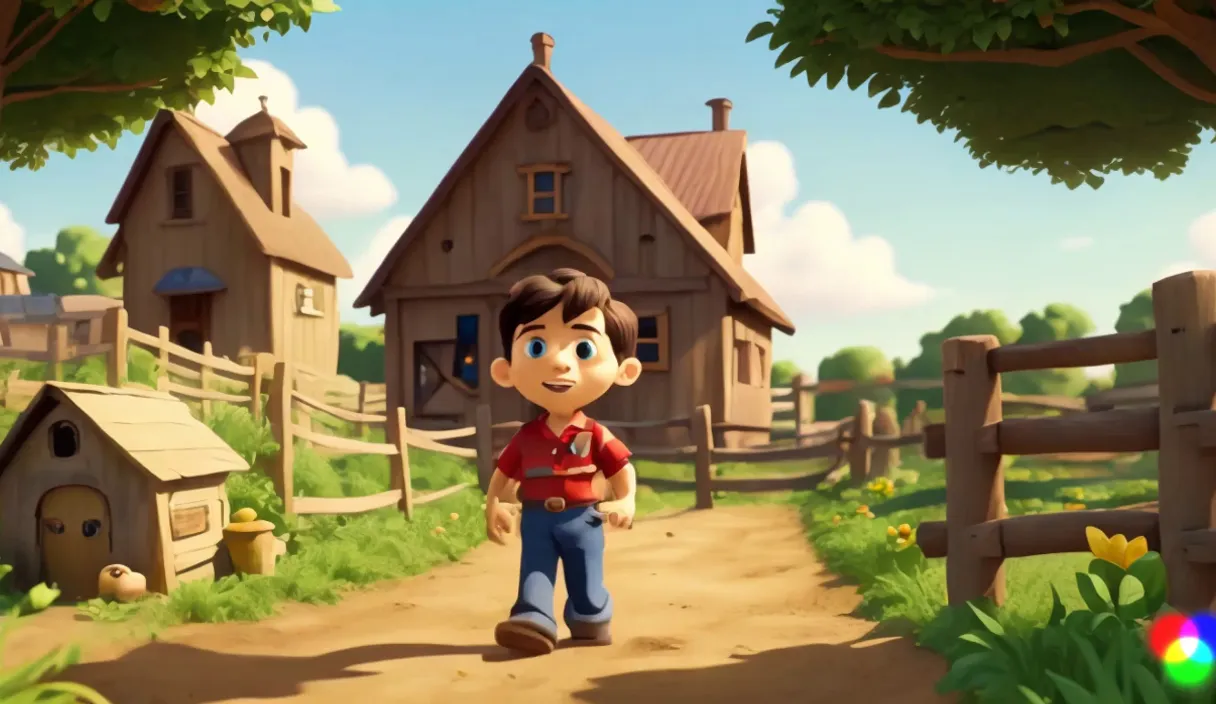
409, 83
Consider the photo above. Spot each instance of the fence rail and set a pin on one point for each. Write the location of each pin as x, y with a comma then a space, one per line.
977, 535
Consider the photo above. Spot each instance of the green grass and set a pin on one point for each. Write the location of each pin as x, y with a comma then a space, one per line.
650, 501
858, 548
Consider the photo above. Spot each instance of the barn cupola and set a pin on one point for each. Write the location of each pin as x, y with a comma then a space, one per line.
264, 145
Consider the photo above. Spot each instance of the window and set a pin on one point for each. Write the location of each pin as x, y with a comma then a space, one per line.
743, 362
543, 200
285, 190
306, 302
464, 366
646, 255
181, 188
652, 341
65, 439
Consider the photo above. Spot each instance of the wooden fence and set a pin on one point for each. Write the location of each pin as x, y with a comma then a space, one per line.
977, 535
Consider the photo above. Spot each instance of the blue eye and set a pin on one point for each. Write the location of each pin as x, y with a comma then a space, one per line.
585, 349
535, 348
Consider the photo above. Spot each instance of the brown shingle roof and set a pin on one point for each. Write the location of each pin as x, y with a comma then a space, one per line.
743, 288
296, 239
263, 124
703, 169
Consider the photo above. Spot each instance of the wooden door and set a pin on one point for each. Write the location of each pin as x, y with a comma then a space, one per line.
437, 392
190, 320
74, 537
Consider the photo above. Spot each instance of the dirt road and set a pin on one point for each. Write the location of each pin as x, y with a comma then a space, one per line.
727, 605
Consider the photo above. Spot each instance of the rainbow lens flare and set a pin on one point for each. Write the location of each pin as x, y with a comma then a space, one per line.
1186, 647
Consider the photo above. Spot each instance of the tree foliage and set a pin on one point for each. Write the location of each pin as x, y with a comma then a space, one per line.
928, 364
361, 352
783, 374
1058, 321
859, 364
69, 268
1134, 316
75, 74
1076, 89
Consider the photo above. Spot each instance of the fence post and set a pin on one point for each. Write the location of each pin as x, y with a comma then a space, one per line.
114, 331
361, 406
975, 482
255, 385
56, 350
804, 406
860, 449
399, 463
915, 424
13, 377
884, 458
1185, 381
701, 427
204, 378
485, 446
281, 424
162, 351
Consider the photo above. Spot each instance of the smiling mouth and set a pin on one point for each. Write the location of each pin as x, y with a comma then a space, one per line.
560, 386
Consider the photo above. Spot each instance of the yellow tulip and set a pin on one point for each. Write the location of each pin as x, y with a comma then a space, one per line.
905, 530
892, 532
1116, 549
439, 530
863, 509
869, 514
454, 516
836, 520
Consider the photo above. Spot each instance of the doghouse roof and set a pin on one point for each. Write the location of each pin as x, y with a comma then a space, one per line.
153, 429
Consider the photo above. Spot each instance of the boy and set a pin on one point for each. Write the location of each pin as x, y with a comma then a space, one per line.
565, 344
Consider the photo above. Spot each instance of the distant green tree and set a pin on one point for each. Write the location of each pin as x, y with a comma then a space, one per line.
361, 352
1058, 321
928, 364
1135, 316
857, 364
70, 267
783, 373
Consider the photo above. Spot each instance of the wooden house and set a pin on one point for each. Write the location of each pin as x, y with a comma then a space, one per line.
14, 278
92, 476
665, 219
211, 244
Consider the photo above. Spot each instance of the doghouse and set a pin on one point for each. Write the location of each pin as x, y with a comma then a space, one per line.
92, 475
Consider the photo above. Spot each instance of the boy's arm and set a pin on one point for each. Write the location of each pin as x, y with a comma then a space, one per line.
624, 483
613, 460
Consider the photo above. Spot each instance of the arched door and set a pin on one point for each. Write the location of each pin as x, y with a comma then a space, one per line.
74, 536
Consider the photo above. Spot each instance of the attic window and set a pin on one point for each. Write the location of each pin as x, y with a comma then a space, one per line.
306, 302
652, 349
64, 438
181, 193
285, 191
543, 200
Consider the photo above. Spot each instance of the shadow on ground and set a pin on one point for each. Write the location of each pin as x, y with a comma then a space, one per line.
877, 671
172, 673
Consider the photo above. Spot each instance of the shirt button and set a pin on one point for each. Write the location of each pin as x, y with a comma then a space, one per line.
555, 450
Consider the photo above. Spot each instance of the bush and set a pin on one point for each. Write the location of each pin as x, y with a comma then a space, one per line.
361, 352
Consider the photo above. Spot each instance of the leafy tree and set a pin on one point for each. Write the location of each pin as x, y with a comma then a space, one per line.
1058, 321
361, 352
783, 373
858, 364
70, 267
928, 364
1134, 316
1076, 89
78, 73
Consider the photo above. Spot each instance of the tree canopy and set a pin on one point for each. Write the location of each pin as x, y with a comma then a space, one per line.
859, 364
78, 73
928, 364
1058, 321
1076, 88
783, 373
70, 267
1134, 316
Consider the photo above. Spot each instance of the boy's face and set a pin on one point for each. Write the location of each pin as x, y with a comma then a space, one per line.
563, 366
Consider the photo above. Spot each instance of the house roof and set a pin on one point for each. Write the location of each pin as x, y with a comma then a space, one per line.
7, 263
297, 238
263, 124
741, 285
704, 169
151, 428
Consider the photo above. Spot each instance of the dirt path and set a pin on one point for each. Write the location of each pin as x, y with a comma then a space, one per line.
727, 605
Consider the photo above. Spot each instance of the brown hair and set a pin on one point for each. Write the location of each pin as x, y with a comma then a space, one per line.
576, 293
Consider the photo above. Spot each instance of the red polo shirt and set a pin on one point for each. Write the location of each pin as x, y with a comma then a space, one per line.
547, 465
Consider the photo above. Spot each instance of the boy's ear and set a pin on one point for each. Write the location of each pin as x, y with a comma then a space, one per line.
500, 372
629, 372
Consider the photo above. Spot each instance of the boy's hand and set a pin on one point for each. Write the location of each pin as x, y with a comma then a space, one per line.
499, 522
619, 512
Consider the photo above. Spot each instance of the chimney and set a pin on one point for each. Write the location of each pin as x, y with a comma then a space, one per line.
263, 100
542, 50
721, 108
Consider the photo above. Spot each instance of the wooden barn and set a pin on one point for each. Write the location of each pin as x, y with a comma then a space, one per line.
211, 244
665, 219
14, 278
91, 476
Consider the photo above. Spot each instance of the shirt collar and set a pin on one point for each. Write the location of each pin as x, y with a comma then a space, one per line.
577, 422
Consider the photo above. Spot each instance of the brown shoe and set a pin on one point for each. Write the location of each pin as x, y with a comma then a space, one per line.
523, 637
590, 633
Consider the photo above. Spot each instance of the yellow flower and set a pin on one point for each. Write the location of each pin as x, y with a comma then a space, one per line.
454, 516
1115, 549
905, 530
1074, 507
836, 520
439, 530
892, 532
863, 509
869, 514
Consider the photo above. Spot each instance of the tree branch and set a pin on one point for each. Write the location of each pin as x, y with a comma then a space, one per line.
1198, 34
34, 93
24, 57
1046, 58
24, 34
1170, 76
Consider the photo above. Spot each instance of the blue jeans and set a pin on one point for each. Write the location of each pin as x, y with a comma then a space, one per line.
576, 537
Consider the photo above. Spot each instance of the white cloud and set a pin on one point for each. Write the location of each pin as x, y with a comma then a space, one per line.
369, 260
326, 184
12, 236
1076, 244
1101, 372
809, 258
1177, 268
1202, 235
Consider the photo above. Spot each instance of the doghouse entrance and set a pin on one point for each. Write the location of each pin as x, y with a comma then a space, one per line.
74, 537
